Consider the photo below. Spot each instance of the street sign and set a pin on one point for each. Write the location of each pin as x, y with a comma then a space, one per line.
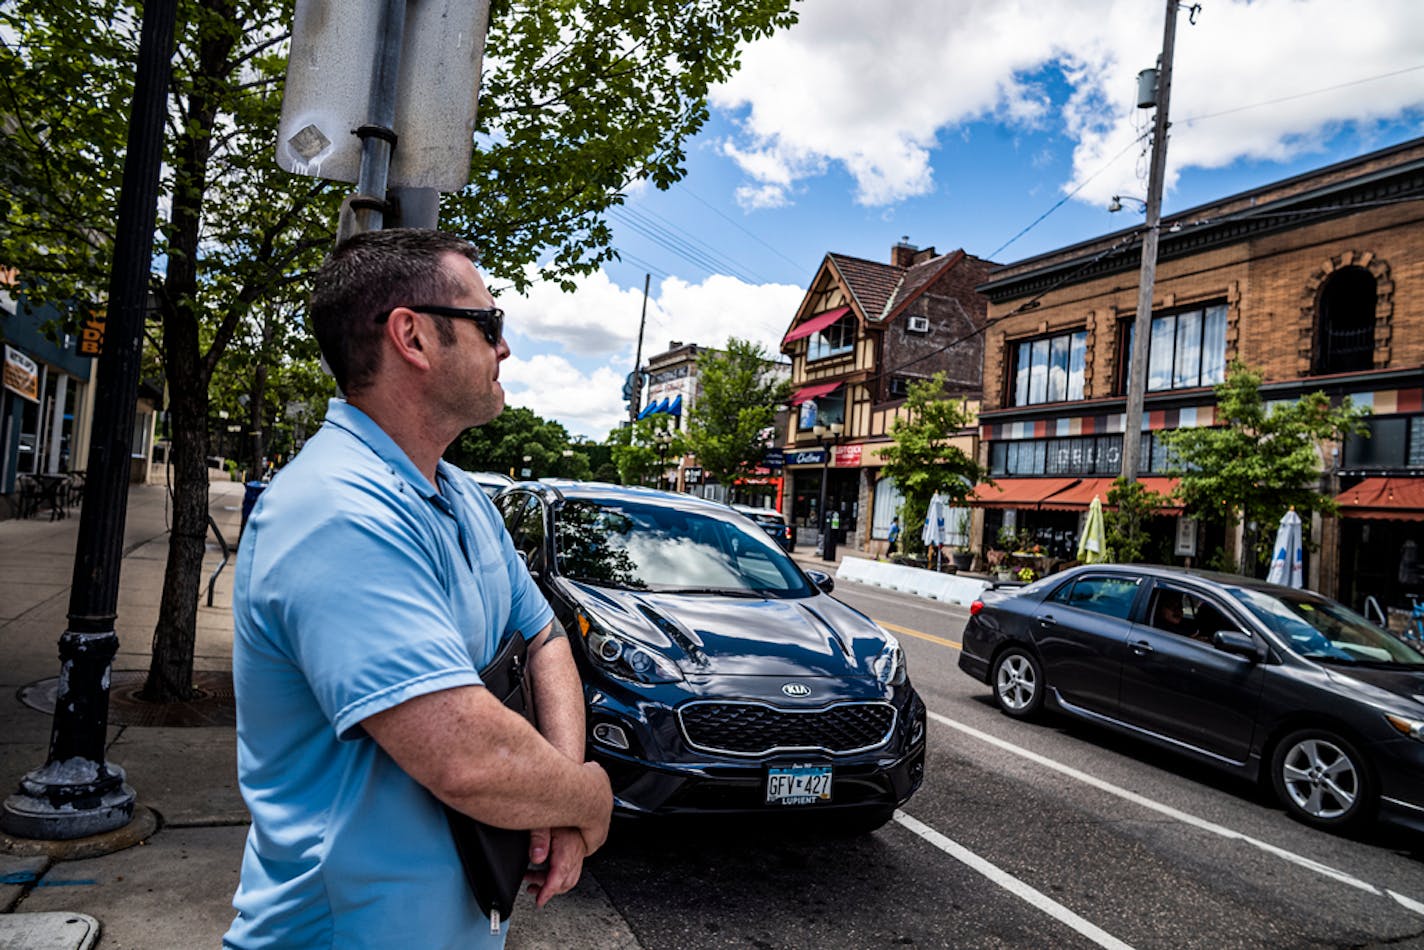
329, 85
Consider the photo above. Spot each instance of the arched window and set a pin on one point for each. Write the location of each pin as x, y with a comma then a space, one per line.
1345, 340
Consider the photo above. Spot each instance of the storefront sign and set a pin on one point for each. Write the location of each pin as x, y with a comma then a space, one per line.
91, 335
692, 475
806, 457
773, 458
22, 375
847, 456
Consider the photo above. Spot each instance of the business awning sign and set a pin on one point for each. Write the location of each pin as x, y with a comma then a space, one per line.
22, 375
91, 335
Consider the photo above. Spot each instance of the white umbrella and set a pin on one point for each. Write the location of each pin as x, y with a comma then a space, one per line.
1286, 566
936, 532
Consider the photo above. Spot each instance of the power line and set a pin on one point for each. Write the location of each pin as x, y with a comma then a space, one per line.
669, 241
692, 194
1302, 95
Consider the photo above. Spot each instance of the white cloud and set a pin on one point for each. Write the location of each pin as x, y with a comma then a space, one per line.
571, 352
855, 85
586, 403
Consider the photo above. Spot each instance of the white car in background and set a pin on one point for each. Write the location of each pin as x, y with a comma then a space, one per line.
491, 482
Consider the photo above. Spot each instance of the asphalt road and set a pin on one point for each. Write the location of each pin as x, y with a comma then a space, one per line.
1023, 835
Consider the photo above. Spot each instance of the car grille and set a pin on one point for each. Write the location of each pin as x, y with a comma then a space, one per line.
748, 728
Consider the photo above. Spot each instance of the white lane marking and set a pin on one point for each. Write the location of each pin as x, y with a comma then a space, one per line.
1012, 884
1181, 816
1409, 902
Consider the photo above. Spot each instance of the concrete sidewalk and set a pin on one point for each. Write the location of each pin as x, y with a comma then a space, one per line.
174, 888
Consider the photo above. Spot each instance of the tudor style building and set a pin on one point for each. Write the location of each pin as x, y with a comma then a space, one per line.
1316, 281
864, 331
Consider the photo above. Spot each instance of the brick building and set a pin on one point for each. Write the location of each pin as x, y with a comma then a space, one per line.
864, 331
1316, 281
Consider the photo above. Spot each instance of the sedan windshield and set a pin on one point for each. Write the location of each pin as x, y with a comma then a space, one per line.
1324, 630
652, 547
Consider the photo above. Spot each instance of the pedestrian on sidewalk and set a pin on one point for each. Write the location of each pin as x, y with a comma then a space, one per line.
373, 582
892, 540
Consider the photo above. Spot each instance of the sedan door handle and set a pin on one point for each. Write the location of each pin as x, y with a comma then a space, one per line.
1046, 620
1142, 648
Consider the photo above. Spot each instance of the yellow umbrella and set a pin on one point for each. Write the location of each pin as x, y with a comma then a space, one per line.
1093, 545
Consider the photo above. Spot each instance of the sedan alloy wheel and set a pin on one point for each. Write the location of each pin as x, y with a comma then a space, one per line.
1321, 779
1018, 683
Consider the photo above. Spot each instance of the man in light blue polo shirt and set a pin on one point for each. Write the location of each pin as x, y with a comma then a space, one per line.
373, 581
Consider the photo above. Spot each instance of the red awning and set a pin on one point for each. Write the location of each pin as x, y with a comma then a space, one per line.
1078, 497
1391, 499
1018, 492
807, 393
811, 324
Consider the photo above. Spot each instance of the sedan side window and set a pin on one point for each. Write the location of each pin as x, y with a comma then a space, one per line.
1110, 596
1186, 614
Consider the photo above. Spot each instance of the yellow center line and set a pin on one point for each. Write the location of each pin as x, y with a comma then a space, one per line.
918, 635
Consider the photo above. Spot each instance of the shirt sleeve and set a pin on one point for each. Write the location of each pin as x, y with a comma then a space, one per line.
361, 604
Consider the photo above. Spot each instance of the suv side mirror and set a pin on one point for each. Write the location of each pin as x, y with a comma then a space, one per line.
825, 582
1237, 643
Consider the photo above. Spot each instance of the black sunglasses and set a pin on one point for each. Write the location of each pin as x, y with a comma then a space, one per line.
490, 321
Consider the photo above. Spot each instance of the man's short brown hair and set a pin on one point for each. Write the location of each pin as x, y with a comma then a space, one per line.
369, 274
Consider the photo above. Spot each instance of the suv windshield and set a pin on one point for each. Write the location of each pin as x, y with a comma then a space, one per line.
642, 546
1324, 630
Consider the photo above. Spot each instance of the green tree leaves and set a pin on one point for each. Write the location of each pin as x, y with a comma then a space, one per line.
736, 403
924, 459
1260, 459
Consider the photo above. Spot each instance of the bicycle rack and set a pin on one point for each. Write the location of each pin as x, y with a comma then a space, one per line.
222, 542
1372, 609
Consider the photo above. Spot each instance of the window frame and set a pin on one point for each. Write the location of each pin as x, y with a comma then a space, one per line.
824, 345
1034, 363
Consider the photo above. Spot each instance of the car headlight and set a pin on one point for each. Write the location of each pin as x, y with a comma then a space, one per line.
1412, 728
889, 666
624, 658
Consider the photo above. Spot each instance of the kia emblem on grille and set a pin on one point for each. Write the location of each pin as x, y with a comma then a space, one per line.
796, 689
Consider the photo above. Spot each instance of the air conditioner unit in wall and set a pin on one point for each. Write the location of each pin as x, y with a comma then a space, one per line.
918, 324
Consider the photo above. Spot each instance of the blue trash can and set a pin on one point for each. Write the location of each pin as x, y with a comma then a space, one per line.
249, 499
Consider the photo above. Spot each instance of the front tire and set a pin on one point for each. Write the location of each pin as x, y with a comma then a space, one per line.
1018, 683
1322, 780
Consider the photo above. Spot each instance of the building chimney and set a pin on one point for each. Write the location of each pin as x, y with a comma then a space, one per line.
903, 254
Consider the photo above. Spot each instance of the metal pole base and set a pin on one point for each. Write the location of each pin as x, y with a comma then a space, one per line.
71, 799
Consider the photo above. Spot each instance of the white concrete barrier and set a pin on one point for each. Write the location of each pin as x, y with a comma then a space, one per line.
950, 588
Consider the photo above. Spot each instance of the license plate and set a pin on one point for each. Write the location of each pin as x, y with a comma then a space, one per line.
798, 784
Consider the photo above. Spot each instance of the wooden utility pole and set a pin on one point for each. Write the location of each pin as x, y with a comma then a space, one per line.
1142, 326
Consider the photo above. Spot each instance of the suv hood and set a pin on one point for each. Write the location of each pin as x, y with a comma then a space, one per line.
709, 634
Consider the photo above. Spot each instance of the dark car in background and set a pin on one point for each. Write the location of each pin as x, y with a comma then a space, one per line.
719, 677
1274, 684
773, 523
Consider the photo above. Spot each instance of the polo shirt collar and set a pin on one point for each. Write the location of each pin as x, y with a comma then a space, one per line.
343, 415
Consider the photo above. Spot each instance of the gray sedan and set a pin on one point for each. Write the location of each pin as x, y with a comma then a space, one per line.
1271, 683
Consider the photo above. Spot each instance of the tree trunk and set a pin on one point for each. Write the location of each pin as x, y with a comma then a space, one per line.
257, 399
170, 671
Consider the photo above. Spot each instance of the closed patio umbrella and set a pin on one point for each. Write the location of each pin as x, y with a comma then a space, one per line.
1093, 545
1287, 561
936, 533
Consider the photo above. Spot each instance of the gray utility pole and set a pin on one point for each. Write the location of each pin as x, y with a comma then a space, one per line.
77, 793
1142, 326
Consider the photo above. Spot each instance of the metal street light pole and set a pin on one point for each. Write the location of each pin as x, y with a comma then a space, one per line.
827, 435
76, 793
1142, 326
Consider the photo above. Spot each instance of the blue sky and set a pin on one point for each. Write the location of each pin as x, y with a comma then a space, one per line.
956, 123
